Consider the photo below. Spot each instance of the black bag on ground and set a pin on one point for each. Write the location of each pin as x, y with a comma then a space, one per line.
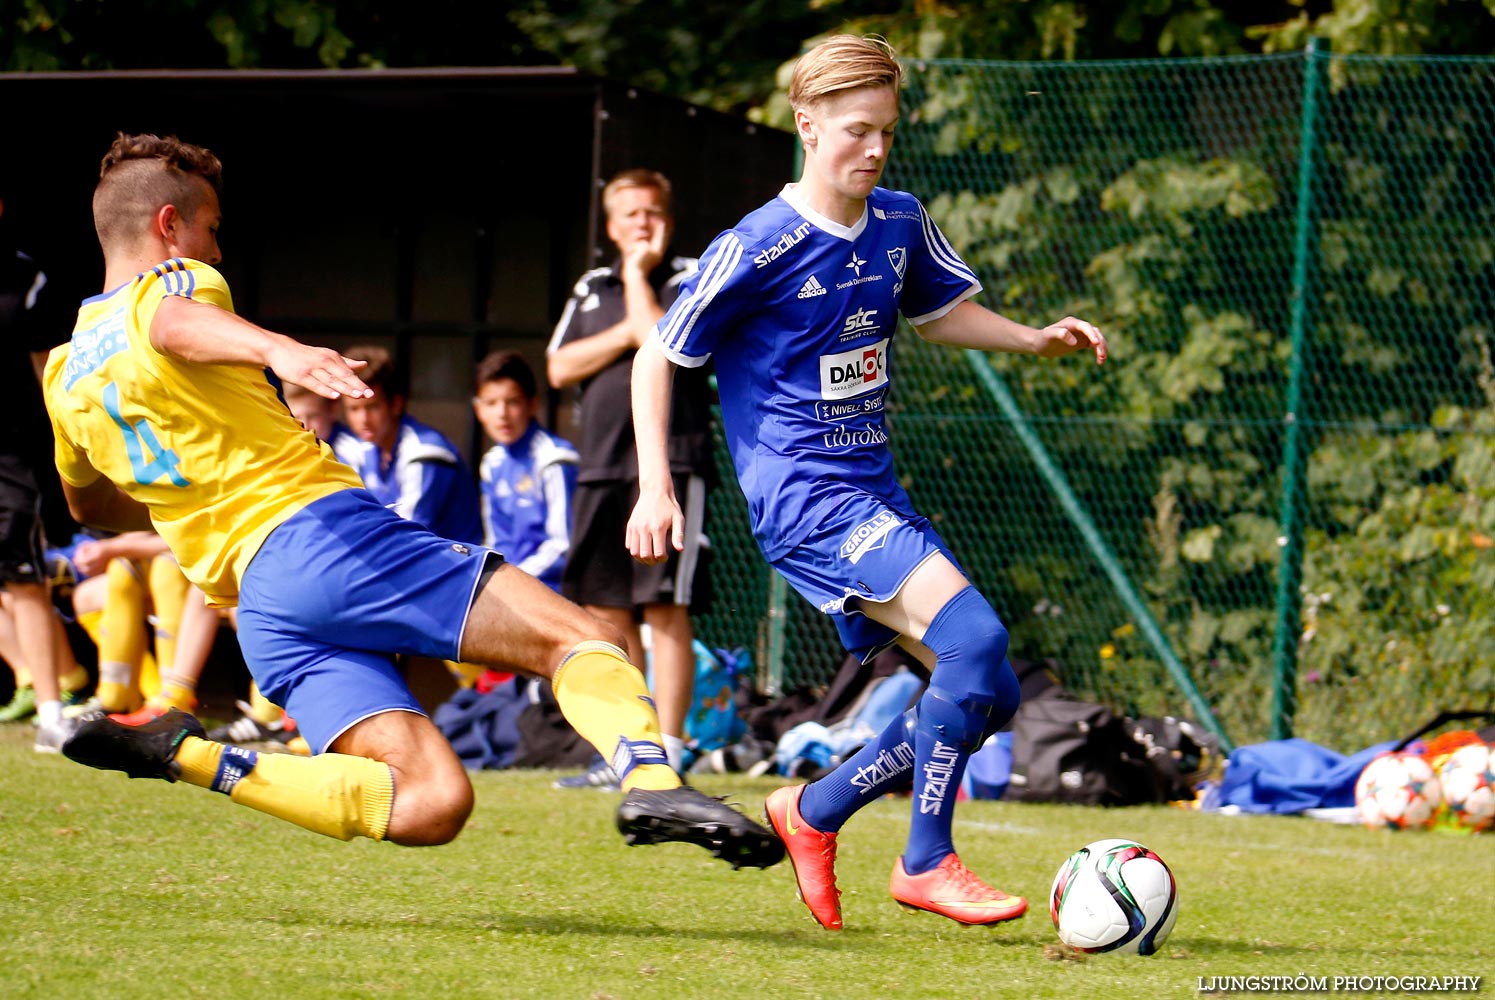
546, 738
1066, 750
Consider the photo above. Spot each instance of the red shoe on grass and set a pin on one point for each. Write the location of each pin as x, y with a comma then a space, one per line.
953, 890
812, 853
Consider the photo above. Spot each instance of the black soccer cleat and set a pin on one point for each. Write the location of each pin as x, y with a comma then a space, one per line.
686, 815
147, 751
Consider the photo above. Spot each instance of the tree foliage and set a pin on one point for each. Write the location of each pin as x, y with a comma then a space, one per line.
728, 55
49, 35
1161, 199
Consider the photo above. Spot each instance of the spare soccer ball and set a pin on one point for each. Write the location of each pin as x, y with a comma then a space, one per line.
1467, 778
1114, 896
1398, 790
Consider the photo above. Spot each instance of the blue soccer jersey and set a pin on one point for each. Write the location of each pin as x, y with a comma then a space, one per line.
527, 488
799, 313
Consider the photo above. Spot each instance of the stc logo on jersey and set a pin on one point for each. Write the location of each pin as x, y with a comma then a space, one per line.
786, 243
860, 322
854, 372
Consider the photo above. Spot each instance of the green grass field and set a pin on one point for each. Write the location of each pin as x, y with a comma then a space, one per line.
118, 888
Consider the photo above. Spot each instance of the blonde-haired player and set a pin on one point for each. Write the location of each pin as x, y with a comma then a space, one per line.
799, 304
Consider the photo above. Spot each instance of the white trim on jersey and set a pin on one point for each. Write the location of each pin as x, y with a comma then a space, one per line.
552, 551
37, 284
579, 291
940, 249
944, 310
685, 313
791, 194
683, 267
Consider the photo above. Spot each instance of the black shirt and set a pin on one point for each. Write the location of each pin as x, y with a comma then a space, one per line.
32, 319
605, 418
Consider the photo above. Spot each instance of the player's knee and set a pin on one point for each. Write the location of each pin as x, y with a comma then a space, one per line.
957, 720
431, 812
968, 636
603, 631
1006, 697
584, 627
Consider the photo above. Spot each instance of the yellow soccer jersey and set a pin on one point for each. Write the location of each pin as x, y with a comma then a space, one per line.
211, 450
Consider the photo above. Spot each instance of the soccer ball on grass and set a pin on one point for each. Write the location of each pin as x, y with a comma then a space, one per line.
1114, 896
1467, 780
1398, 790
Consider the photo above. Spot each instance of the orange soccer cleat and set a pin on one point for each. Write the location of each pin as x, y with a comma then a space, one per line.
150, 712
812, 853
953, 890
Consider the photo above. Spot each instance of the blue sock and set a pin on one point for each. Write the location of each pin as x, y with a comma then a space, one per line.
972, 693
881, 766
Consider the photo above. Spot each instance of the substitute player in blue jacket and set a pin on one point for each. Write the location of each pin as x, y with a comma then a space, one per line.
798, 306
529, 474
410, 468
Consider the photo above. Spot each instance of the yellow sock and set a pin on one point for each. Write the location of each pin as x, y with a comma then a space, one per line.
91, 623
121, 638
148, 679
604, 698
74, 680
262, 709
23, 676
177, 691
465, 674
168, 596
335, 794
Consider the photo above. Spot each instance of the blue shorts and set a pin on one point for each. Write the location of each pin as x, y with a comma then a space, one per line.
866, 551
333, 593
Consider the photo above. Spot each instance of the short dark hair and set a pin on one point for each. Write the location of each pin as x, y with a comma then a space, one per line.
506, 364
380, 372
139, 174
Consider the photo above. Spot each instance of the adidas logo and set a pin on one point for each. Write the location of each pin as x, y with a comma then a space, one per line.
811, 288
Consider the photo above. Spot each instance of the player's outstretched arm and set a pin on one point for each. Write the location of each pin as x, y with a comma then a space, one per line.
975, 326
204, 333
657, 522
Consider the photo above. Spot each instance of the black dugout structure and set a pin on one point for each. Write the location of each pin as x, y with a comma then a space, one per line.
440, 212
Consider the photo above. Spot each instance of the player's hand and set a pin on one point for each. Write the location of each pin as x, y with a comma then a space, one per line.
320, 369
644, 255
91, 557
1070, 335
656, 525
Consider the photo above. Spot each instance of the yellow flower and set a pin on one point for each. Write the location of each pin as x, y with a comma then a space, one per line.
1107, 651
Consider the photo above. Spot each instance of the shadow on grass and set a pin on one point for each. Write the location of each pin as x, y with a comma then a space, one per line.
872, 938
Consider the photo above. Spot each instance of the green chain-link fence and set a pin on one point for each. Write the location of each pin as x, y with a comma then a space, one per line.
1275, 501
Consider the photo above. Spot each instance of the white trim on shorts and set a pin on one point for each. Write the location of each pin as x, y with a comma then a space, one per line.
694, 509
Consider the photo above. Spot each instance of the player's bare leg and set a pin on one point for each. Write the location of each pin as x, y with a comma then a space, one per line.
518, 623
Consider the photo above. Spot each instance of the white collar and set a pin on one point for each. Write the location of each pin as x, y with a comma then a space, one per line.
797, 202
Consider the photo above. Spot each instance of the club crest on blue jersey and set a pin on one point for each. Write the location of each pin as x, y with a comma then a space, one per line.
898, 257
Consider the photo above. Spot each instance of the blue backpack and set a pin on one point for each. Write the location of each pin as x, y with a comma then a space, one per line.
713, 721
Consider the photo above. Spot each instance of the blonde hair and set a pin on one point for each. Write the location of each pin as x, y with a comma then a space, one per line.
640, 178
844, 62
